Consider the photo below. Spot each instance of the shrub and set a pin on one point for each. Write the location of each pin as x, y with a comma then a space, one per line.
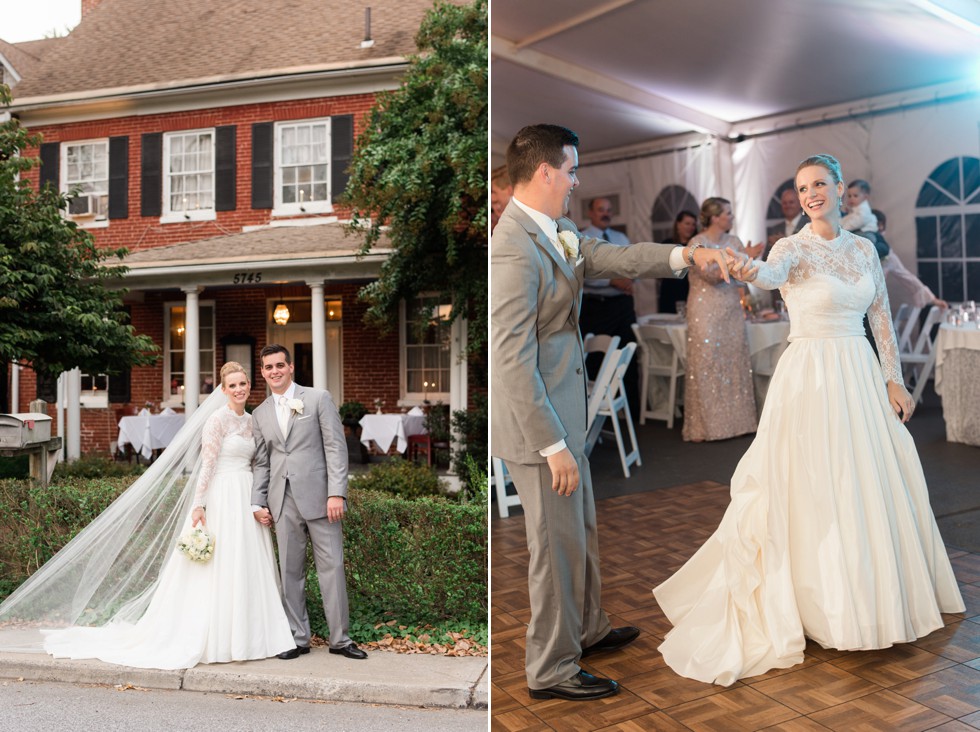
96, 466
417, 562
401, 478
470, 426
15, 467
351, 412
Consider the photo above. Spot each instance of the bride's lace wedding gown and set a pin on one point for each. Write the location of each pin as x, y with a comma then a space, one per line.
228, 609
829, 534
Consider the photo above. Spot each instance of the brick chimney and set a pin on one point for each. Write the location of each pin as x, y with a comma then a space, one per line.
89, 5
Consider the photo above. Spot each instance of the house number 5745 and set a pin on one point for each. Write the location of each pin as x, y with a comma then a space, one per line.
244, 278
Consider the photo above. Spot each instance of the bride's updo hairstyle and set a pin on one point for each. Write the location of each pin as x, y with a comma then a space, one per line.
829, 162
712, 207
232, 367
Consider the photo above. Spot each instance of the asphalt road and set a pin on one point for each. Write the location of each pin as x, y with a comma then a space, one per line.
30, 706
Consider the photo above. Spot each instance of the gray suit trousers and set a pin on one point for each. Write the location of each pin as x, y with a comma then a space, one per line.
563, 574
328, 555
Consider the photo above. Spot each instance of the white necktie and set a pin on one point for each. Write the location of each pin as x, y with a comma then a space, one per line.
283, 416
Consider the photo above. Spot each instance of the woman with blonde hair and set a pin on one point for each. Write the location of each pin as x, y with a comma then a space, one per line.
126, 592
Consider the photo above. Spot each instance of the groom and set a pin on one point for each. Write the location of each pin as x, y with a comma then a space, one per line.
538, 261
301, 484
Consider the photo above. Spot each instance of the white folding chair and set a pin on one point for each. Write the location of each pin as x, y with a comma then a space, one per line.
600, 387
500, 480
918, 363
659, 362
906, 319
603, 344
613, 404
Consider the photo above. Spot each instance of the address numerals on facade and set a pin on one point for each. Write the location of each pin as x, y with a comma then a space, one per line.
245, 278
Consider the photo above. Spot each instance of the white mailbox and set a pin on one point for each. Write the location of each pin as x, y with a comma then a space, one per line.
23, 429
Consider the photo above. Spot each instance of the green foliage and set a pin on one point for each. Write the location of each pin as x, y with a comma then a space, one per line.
470, 428
399, 477
96, 466
351, 412
56, 309
417, 563
35, 521
420, 168
15, 467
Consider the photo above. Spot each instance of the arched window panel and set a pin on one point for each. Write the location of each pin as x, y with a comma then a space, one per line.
926, 238
774, 214
669, 202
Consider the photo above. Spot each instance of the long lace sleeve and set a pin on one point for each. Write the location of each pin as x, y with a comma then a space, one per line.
879, 316
774, 272
210, 447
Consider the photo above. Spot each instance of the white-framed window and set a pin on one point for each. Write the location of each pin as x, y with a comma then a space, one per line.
175, 353
426, 342
95, 391
188, 177
302, 167
85, 169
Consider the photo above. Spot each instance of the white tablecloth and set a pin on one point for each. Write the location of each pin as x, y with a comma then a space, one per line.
384, 429
958, 381
149, 432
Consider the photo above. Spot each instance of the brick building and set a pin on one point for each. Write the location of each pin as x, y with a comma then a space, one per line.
211, 139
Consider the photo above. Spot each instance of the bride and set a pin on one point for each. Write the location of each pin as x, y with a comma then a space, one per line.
129, 597
829, 534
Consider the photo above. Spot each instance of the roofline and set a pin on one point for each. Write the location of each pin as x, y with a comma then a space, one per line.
184, 273
390, 66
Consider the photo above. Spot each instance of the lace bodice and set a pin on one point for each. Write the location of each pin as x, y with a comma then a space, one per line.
828, 286
226, 444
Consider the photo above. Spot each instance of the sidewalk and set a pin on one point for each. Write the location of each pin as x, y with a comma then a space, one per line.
384, 678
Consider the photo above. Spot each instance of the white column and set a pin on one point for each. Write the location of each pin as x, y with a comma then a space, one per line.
14, 387
318, 318
457, 372
192, 350
73, 412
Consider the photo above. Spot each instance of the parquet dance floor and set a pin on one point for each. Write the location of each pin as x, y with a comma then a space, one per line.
932, 684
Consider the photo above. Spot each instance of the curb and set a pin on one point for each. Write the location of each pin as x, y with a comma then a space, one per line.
385, 678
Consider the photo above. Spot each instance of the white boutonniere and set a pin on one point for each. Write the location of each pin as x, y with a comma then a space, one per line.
296, 405
569, 244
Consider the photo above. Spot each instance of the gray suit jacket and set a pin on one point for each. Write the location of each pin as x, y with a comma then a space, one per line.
538, 384
313, 458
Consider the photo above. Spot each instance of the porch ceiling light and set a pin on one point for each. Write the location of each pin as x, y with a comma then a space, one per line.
281, 314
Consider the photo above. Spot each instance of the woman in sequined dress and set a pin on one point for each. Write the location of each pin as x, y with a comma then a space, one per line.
829, 535
719, 395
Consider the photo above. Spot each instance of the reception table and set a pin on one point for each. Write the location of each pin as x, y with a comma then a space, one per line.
149, 432
384, 429
767, 341
957, 380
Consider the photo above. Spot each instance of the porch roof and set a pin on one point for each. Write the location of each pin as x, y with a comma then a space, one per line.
270, 254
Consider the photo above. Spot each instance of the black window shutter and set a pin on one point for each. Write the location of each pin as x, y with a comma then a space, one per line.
119, 391
47, 388
119, 177
224, 168
342, 142
50, 154
151, 174
262, 165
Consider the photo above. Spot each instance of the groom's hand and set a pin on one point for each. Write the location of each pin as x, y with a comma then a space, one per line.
263, 517
564, 472
335, 509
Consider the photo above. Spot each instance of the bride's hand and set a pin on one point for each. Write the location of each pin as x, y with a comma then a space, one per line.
740, 266
901, 401
197, 517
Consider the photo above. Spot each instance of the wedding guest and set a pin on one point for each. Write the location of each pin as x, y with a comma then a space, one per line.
719, 393
903, 286
607, 303
829, 534
538, 260
859, 218
674, 290
501, 191
794, 220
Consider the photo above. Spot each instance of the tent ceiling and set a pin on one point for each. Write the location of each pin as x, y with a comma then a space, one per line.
623, 72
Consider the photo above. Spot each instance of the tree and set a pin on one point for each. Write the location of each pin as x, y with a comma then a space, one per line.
56, 309
420, 170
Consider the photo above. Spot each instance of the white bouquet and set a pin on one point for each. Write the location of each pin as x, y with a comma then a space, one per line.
196, 544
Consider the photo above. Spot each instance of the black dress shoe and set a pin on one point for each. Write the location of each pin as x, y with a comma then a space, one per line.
293, 653
351, 651
581, 687
614, 640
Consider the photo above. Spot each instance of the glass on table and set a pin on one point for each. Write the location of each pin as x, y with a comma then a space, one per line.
682, 308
